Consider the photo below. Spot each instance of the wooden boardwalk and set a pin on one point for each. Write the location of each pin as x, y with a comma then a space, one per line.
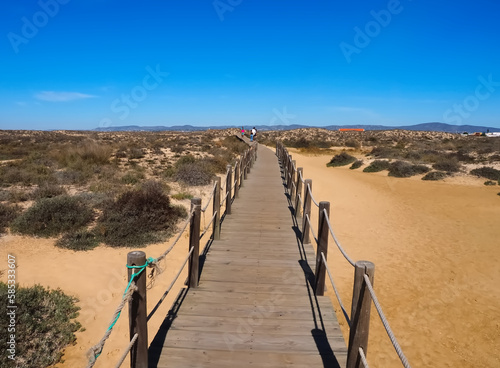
255, 306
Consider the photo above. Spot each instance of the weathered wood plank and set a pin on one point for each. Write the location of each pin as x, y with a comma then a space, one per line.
255, 305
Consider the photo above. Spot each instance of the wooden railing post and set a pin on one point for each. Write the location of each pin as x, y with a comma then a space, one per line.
289, 174
194, 242
137, 311
236, 179
297, 192
322, 247
307, 211
360, 313
229, 184
216, 210
245, 166
292, 182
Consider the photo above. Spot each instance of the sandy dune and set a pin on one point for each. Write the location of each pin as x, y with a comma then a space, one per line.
435, 246
436, 249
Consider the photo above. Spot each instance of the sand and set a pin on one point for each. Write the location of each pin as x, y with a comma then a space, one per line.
435, 246
98, 279
436, 250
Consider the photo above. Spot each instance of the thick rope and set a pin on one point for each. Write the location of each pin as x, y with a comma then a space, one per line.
206, 228
227, 193
301, 178
311, 194
336, 241
164, 254
96, 350
335, 289
386, 323
312, 230
363, 357
171, 285
209, 199
127, 350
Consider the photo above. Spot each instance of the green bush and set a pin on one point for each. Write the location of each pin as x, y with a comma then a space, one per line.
181, 196
377, 165
53, 216
486, 172
78, 240
354, 143
341, 159
490, 182
356, 165
45, 325
402, 169
435, 175
7, 214
138, 217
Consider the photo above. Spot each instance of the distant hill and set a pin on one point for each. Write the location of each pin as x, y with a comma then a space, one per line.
433, 127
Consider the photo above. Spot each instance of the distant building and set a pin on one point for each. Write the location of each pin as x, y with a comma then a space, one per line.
351, 130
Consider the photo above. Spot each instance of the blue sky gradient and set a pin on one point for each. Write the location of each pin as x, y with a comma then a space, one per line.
75, 64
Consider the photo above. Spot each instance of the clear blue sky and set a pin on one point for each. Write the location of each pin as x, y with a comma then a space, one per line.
81, 64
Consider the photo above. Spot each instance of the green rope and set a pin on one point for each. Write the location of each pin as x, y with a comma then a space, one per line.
149, 261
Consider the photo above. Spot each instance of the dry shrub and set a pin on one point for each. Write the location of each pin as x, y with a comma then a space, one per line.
435, 175
447, 164
487, 172
377, 165
45, 325
138, 217
194, 174
356, 165
48, 190
79, 240
53, 216
7, 214
402, 169
341, 159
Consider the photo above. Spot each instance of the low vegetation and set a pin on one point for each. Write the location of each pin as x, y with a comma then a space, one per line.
53, 216
45, 325
341, 159
402, 169
487, 172
435, 175
139, 216
356, 165
377, 165
83, 186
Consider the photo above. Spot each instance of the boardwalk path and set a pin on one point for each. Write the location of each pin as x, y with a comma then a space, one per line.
254, 306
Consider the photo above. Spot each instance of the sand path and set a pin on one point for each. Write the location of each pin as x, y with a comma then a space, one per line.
436, 249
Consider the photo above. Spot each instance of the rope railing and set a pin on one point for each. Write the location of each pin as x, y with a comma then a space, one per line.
385, 322
208, 226
96, 350
127, 350
225, 197
344, 312
311, 194
193, 255
210, 198
311, 229
164, 254
172, 283
337, 242
363, 357
359, 320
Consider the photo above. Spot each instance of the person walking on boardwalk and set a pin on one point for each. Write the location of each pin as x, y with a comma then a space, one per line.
242, 132
254, 133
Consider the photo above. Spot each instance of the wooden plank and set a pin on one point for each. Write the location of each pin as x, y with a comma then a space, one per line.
256, 342
204, 358
254, 306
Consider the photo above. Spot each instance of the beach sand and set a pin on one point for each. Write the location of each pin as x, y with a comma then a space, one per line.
436, 250
98, 279
435, 246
